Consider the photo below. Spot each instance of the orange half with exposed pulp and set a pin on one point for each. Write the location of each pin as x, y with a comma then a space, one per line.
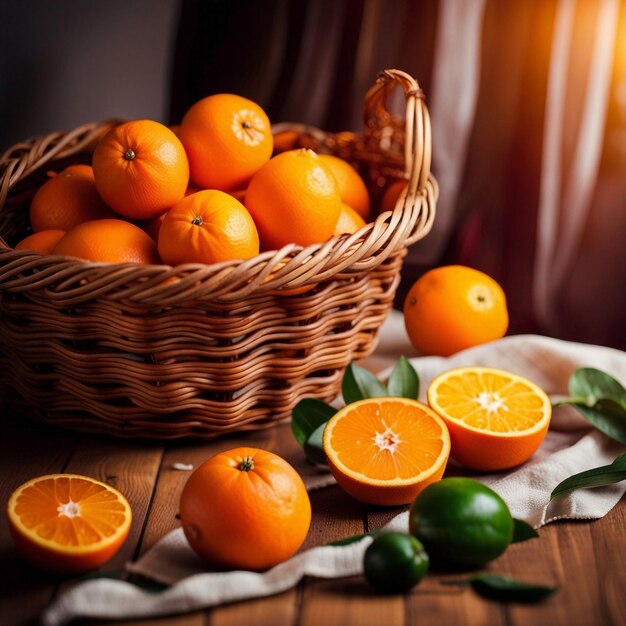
496, 419
386, 450
68, 523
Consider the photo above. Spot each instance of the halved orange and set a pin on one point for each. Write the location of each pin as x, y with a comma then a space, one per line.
496, 419
68, 523
386, 450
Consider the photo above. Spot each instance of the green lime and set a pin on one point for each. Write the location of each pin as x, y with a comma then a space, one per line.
461, 522
394, 562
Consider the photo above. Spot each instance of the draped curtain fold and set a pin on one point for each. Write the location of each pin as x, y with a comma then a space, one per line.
528, 105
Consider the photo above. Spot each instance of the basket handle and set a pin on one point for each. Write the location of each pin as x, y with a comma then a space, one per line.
417, 144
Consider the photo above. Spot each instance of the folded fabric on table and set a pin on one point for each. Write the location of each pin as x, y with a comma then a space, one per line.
571, 446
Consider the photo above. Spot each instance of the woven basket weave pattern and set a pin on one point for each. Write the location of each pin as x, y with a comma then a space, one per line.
196, 351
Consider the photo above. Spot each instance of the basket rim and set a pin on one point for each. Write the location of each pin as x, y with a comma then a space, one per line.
288, 267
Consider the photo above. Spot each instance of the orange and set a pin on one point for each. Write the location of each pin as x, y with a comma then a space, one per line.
153, 225
68, 523
44, 241
496, 419
386, 450
352, 188
66, 200
349, 221
454, 307
286, 140
227, 139
207, 227
239, 194
141, 169
79, 170
294, 198
245, 508
112, 241
391, 195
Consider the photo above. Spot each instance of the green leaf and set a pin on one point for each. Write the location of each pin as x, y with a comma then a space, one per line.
354, 538
600, 399
522, 531
607, 416
358, 384
308, 415
596, 477
403, 381
504, 589
314, 448
595, 384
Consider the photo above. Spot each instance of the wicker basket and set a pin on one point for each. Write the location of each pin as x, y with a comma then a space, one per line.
119, 349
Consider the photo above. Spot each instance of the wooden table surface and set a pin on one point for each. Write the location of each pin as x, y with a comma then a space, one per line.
585, 559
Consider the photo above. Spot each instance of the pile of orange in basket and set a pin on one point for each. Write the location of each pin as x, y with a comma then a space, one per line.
201, 286
206, 191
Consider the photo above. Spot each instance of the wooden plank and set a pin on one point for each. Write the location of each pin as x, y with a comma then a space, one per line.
27, 450
164, 518
270, 611
430, 601
609, 544
434, 603
130, 467
377, 517
343, 600
563, 556
282, 608
445, 605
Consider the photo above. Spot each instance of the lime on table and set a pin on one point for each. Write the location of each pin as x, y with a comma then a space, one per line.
394, 562
461, 522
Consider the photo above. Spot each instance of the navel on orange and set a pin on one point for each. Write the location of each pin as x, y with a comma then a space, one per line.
496, 419
454, 307
386, 450
227, 138
68, 523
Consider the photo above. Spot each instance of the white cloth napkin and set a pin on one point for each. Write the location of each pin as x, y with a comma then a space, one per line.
571, 446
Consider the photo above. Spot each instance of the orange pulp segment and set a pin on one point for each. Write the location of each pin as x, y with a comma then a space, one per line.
386, 450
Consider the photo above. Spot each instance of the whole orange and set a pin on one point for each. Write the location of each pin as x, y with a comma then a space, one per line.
152, 226
245, 508
294, 198
112, 241
141, 169
207, 227
44, 241
454, 307
227, 138
66, 200
391, 195
349, 221
352, 188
